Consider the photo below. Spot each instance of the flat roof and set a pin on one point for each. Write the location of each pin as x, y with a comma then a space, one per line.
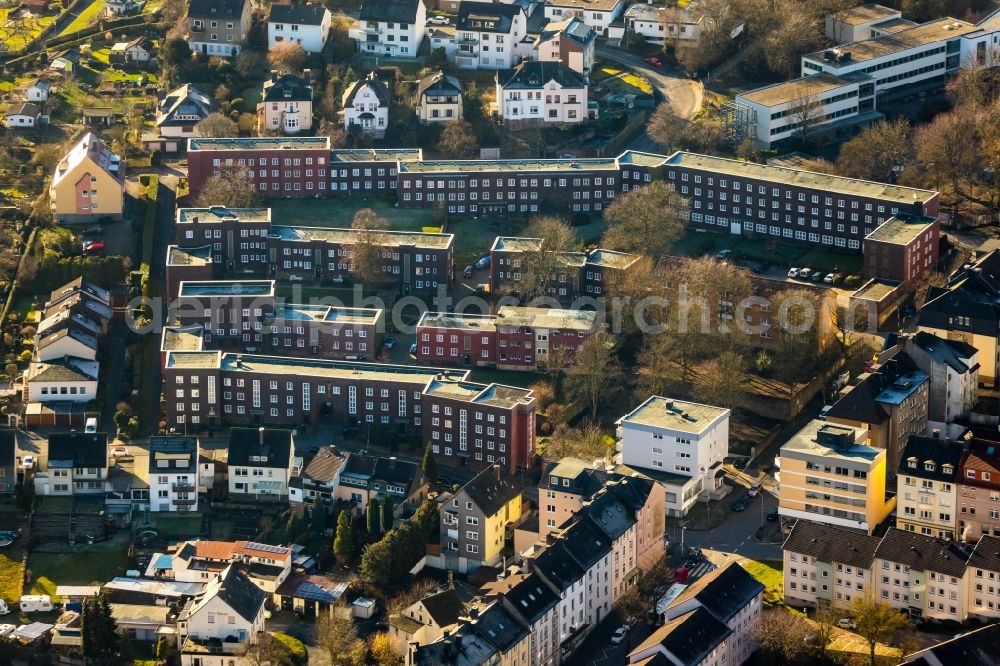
281, 365
178, 338
865, 14
805, 441
582, 320
226, 288
326, 313
460, 167
260, 143
216, 214
189, 256
638, 157
589, 5
347, 236
680, 415
377, 155
611, 258
895, 25
516, 244
876, 290
800, 178
796, 89
459, 320
924, 34
901, 229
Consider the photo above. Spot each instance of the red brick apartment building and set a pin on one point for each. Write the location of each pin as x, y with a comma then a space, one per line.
515, 338
236, 236
203, 389
191, 264
244, 315
583, 274
278, 166
902, 248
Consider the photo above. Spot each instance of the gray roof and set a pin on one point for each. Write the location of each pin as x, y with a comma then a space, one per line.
932, 449
209, 9
267, 443
439, 83
531, 598
396, 11
492, 488
444, 607
240, 594
954, 353
298, 13
692, 637
557, 566
287, 87
497, 625
83, 449
923, 553
585, 541
827, 543
184, 101
728, 591
610, 515
173, 450
377, 85
534, 74
978, 646
23, 109
486, 16
986, 554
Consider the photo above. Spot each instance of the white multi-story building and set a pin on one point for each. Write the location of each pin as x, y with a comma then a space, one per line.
61, 380
365, 106
685, 440
658, 24
304, 24
913, 60
952, 367
716, 618
598, 14
392, 28
542, 92
229, 610
490, 35
827, 564
261, 461
173, 474
862, 22
820, 108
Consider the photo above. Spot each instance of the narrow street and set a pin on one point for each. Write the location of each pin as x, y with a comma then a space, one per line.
684, 95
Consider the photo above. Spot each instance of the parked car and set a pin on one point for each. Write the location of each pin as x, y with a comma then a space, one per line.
91, 425
483, 263
830, 278
121, 453
793, 272
439, 20
413, 349
467, 273
741, 503
95, 247
620, 634
724, 255
654, 61
772, 515
96, 230
28, 462
390, 341
754, 490
759, 266
804, 273
846, 623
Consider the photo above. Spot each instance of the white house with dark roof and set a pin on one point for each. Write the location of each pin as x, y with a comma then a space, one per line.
173, 474
490, 35
22, 115
261, 461
61, 380
180, 111
307, 25
66, 342
538, 92
570, 41
438, 98
320, 477
952, 367
392, 28
230, 610
598, 14
365, 106
286, 105
38, 90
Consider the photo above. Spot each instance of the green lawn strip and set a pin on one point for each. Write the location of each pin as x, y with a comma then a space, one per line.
84, 18
11, 572
492, 375
95, 565
770, 575
179, 526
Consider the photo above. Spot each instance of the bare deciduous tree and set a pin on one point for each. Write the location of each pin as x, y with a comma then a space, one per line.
233, 188
287, 58
217, 125
596, 375
646, 220
366, 250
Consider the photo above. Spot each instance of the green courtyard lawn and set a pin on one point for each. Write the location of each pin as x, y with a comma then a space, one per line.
507, 377
186, 526
11, 572
776, 252
769, 573
88, 565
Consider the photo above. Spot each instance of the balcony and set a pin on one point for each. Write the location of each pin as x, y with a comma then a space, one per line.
453, 534
197, 29
183, 486
185, 502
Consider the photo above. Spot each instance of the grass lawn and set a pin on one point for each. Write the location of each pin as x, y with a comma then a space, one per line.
18, 38
626, 82
11, 572
780, 253
178, 526
84, 18
340, 213
508, 377
54, 504
769, 573
92, 565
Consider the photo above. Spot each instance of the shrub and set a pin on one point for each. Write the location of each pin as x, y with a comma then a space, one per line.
295, 649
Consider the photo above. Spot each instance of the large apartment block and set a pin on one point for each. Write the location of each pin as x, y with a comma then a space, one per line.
903, 248
471, 424
515, 338
278, 166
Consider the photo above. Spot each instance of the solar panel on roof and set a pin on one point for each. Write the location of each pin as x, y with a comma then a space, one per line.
266, 548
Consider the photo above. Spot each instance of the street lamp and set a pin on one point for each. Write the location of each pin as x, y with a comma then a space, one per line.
682, 540
761, 509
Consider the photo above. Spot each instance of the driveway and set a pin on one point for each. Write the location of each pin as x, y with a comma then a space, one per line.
683, 94
736, 532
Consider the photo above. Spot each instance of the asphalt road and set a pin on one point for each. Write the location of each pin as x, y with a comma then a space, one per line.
684, 95
735, 533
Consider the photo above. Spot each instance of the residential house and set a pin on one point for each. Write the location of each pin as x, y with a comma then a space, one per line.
975, 646
228, 613
565, 486
715, 620
117, 8
922, 576
889, 400
475, 520
311, 595
200, 561
261, 461
61, 380
77, 464
363, 478
952, 368
71, 341
983, 580
393, 28
180, 111
490, 35
829, 474
488, 635
828, 564
38, 90
978, 501
22, 115
598, 14
438, 99
536, 605
88, 182
570, 42
320, 477
307, 25
8, 460
927, 486
173, 474
139, 51
365, 106
966, 309
78, 300
218, 27
286, 105
657, 24
537, 92
426, 620
443, 37
682, 444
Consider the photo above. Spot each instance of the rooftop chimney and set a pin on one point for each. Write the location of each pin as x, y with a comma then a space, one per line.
935, 433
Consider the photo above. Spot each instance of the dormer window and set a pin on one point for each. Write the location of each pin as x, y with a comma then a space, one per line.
912, 462
553, 480
929, 466
947, 469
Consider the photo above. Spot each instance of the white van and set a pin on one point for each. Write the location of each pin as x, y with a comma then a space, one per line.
3, 607
36, 603
91, 425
